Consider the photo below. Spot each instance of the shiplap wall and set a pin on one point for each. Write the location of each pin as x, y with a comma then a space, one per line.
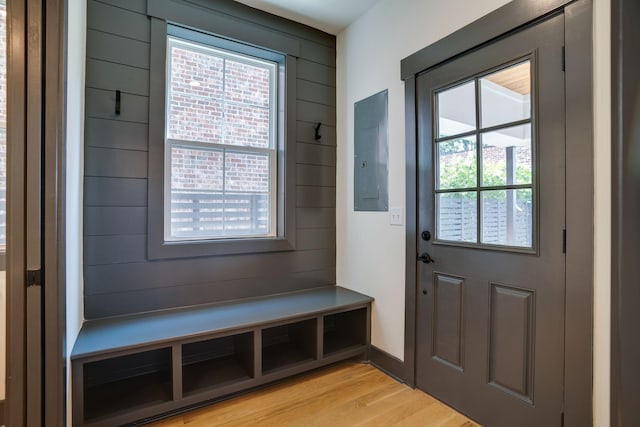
118, 277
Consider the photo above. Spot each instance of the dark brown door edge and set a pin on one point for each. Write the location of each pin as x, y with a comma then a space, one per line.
625, 139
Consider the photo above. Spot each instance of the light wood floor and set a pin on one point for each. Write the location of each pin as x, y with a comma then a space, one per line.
350, 394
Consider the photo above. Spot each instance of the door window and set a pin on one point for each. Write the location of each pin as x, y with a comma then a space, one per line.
485, 171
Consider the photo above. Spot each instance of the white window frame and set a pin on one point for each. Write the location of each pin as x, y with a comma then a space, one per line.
271, 151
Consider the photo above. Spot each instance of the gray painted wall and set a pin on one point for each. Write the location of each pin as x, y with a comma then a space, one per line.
118, 277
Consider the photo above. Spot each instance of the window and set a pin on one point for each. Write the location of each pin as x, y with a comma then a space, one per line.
222, 138
221, 156
485, 183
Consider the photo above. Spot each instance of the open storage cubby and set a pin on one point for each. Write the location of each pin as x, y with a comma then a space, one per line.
344, 331
127, 382
217, 362
287, 345
139, 367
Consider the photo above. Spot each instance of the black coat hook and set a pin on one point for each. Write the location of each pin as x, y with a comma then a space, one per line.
118, 102
318, 136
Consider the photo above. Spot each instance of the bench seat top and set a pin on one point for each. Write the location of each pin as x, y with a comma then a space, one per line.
127, 332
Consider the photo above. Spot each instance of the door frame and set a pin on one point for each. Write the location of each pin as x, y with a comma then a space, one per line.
625, 245
53, 219
36, 360
507, 19
15, 408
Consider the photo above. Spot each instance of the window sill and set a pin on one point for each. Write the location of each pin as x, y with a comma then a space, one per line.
191, 249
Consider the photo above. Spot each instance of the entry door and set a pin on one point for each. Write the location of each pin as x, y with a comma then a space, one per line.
491, 183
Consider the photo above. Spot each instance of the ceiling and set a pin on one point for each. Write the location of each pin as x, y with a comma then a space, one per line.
331, 16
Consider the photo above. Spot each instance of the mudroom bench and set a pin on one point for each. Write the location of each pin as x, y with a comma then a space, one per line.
132, 368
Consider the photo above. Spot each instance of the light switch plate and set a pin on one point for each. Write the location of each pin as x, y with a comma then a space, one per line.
395, 216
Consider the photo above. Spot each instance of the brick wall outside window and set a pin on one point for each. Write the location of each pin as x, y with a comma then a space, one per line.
225, 101
230, 105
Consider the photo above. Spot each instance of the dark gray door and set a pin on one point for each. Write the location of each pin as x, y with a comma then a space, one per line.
491, 184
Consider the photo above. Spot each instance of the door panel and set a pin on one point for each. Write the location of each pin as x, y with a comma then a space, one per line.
491, 190
447, 319
511, 339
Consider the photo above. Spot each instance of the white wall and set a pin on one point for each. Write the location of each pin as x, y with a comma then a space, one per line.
77, 12
370, 252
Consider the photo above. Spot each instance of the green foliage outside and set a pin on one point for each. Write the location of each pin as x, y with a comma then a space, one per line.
459, 172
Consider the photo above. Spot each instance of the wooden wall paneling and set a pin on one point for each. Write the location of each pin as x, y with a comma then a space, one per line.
102, 250
139, 6
134, 276
316, 154
306, 132
118, 58
314, 45
321, 176
115, 220
115, 134
107, 162
318, 53
120, 303
315, 218
316, 197
315, 92
312, 112
118, 49
100, 104
315, 238
114, 20
100, 191
111, 76
315, 72
207, 18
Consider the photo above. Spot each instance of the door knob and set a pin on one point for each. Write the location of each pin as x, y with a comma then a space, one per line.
426, 258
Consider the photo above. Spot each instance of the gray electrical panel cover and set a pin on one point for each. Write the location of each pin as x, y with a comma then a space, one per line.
371, 153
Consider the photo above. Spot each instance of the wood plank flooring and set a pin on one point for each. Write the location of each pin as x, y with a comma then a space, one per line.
349, 394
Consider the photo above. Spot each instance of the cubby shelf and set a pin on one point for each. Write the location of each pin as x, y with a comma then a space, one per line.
217, 362
139, 367
288, 345
342, 331
137, 381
